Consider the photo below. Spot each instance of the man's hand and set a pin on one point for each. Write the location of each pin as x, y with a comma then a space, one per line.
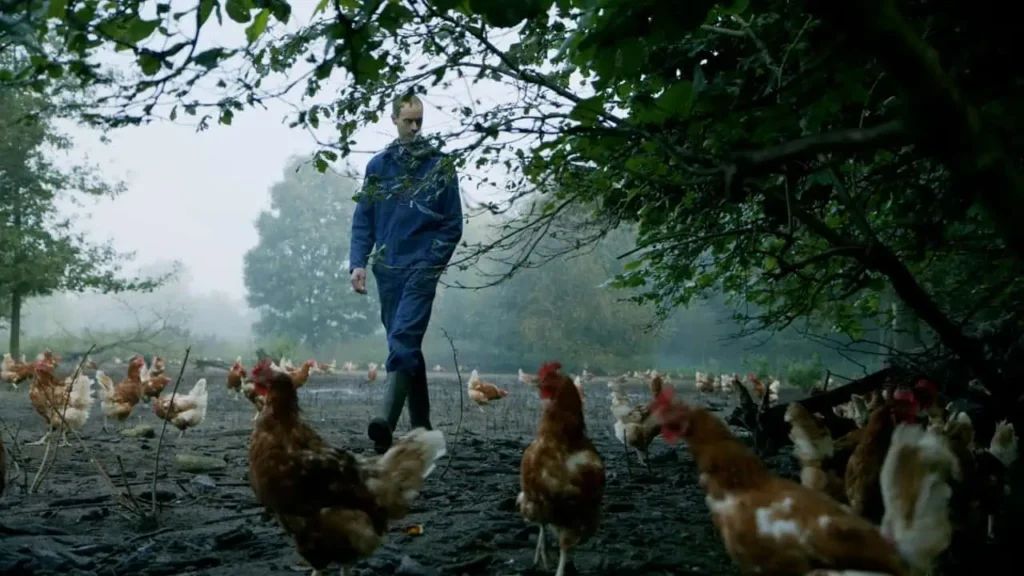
359, 280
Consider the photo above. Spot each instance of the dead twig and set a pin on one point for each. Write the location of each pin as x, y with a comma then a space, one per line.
163, 430
128, 488
15, 451
42, 468
458, 425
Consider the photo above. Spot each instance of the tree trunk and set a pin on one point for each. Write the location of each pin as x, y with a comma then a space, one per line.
921, 304
15, 347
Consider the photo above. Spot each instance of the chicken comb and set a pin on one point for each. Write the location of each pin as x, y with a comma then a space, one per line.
926, 385
904, 394
260, 367
663, 401
549, 369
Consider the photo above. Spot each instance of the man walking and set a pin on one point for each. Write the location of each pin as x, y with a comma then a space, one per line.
410, 208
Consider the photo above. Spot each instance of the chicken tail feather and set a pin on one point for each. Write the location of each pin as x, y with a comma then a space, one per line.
400, 472
106, 384
915, 482
81, 393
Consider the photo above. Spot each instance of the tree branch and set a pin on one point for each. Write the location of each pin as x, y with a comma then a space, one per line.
765, 160
943, 122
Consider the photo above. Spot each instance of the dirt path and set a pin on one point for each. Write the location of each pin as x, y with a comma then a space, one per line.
210, 524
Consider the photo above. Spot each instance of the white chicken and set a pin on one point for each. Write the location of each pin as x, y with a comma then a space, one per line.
528, 379
187, 410
75, 412
633, 427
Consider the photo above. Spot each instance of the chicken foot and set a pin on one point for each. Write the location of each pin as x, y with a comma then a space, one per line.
42, 440
541, 554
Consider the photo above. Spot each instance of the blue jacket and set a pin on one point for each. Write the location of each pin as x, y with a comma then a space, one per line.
409, 207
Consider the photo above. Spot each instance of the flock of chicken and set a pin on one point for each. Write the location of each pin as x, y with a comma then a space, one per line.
65, 404
883, 498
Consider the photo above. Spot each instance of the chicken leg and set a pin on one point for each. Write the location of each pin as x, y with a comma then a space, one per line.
42, 440
563, 559
645, 457
541, 554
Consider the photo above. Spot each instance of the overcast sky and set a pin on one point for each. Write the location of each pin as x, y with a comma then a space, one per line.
194, 196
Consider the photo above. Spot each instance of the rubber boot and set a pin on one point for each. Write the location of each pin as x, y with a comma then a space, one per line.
419, 402
381, 428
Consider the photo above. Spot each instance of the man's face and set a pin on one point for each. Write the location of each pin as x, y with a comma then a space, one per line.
409, 121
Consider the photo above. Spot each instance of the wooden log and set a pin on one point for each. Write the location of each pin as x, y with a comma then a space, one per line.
772, 423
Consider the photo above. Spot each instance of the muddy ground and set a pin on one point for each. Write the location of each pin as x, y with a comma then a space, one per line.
210, 524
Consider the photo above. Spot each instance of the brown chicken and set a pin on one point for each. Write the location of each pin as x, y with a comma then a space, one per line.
769, 525
154, 386
118, 401
481, 392
235, 377
158, 368
815, 450
14, 372
301, 374
335, 506
186, 411
917, 480
561, 474
53, 360
633, 427
63, 406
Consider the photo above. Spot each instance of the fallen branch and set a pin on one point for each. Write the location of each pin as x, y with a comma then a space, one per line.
772, 422
163, 430
128, 488
41, 472
458, 425
16, 457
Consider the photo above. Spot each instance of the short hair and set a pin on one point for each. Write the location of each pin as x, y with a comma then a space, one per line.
397, 103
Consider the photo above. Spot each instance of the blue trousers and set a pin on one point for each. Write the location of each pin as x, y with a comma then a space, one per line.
406, 299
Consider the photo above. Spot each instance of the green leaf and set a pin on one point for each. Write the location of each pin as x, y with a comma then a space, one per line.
209, 58
205, 9
678, 99
58, 8
505, 14
139, 29
736, 6
588, 111
700, 82
149, 64
238, 10
259, 24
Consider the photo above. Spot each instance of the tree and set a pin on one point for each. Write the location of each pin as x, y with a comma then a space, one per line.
805, 158
40, 253
297, 275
